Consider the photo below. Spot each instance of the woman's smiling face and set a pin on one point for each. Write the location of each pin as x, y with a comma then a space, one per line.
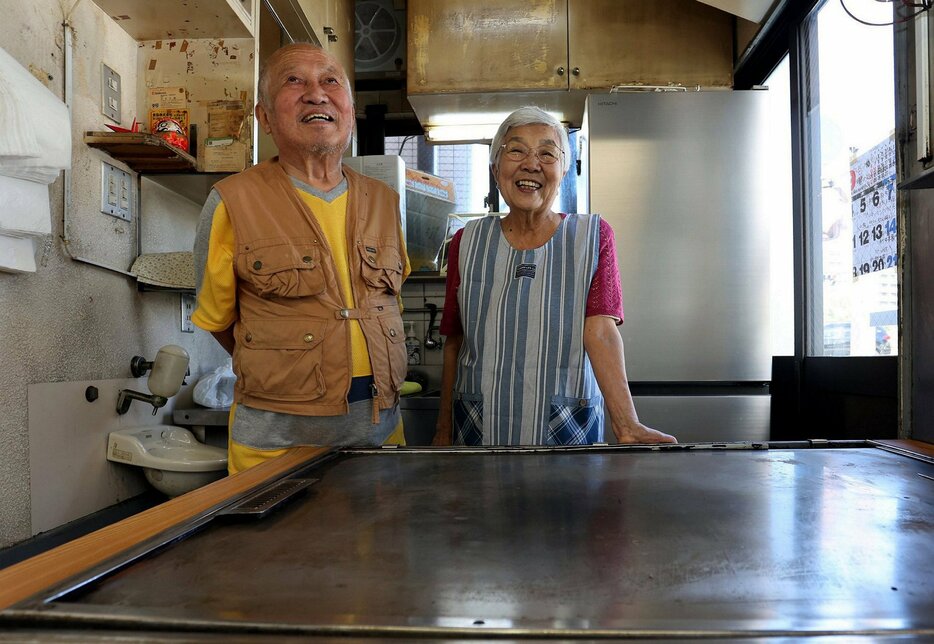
528, 185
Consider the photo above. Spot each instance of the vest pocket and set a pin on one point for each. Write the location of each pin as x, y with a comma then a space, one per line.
382, 266
280, 359
282, 268
391, 326
468, 419
573, 421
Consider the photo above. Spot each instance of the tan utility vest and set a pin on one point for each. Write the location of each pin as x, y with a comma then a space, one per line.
292, 352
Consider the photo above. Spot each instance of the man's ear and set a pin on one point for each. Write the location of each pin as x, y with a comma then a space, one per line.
263, 118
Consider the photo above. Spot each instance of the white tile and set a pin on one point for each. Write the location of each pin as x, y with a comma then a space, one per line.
434, 289
434, 356
413, 289
413, 303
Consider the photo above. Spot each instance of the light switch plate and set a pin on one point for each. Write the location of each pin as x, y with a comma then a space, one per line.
116, 192
188, 307
110, 93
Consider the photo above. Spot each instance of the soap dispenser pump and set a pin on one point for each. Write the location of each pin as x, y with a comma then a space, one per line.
413, 346
169, 368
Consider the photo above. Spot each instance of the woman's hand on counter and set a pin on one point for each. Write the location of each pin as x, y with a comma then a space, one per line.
640, 434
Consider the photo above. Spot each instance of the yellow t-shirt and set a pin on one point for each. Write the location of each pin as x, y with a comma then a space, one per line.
332, 217
217, 299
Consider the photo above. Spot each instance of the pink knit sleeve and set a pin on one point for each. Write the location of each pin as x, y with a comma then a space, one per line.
451, 316
606, 294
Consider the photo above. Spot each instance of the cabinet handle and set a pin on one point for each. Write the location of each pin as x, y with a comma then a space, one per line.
328, 30
576, 71
560, 71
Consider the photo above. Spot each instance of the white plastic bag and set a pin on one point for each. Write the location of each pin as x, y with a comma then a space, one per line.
217, 388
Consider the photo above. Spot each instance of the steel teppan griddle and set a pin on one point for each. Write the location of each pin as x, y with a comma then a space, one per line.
713, 540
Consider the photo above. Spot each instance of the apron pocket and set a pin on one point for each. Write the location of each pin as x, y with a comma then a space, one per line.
574, 421
468, 419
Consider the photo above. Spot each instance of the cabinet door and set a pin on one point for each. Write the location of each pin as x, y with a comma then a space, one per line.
340, 42
332, 22
471, 45
633, 42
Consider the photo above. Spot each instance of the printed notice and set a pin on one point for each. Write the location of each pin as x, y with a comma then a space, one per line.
875, 231
161, 98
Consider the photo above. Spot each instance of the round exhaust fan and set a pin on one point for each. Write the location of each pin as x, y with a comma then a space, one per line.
380, 36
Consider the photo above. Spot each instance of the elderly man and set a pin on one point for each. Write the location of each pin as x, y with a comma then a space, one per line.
300, 261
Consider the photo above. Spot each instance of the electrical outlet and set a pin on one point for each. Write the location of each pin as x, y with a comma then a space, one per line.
110, 93
116, 192
188, 307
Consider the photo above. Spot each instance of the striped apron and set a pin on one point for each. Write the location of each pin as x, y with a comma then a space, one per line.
523, 377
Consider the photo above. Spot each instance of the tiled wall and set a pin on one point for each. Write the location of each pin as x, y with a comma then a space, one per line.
415, 295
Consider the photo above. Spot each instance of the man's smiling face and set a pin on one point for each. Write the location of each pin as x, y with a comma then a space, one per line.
306, 103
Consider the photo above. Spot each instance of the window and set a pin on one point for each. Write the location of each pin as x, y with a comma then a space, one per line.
467, 165
848, 107
781, 249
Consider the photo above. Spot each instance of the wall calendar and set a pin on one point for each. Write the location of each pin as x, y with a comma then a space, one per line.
872, 186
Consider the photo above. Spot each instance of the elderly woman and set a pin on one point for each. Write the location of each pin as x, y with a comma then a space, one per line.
533, 300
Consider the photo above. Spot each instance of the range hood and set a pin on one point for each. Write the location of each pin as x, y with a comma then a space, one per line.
473, 117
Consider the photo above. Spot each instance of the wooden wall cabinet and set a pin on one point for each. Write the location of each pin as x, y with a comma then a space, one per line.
514, 45
632, 42
332, 22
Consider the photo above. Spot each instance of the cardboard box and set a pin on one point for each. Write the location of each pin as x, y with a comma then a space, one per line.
429, 185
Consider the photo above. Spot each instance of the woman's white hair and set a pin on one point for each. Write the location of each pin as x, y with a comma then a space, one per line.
531, 115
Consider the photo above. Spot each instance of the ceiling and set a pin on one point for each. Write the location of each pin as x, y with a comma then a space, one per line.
753, 10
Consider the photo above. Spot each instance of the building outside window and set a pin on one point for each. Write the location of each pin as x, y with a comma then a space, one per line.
849, 111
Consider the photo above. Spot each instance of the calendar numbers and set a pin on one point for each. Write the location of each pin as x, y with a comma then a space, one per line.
875, 228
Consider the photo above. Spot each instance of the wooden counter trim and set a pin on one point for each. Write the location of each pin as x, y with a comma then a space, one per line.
913, 446
49, 569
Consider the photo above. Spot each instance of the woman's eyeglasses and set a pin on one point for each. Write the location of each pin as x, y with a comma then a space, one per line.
547, 154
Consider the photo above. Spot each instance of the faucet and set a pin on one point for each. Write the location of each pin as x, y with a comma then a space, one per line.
126, 396
168, 374
430, 342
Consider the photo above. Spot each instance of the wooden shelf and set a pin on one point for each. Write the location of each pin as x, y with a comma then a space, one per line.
171, 19
143, 153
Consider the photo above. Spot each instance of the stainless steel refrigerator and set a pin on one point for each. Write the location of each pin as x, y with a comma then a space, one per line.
682, 178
